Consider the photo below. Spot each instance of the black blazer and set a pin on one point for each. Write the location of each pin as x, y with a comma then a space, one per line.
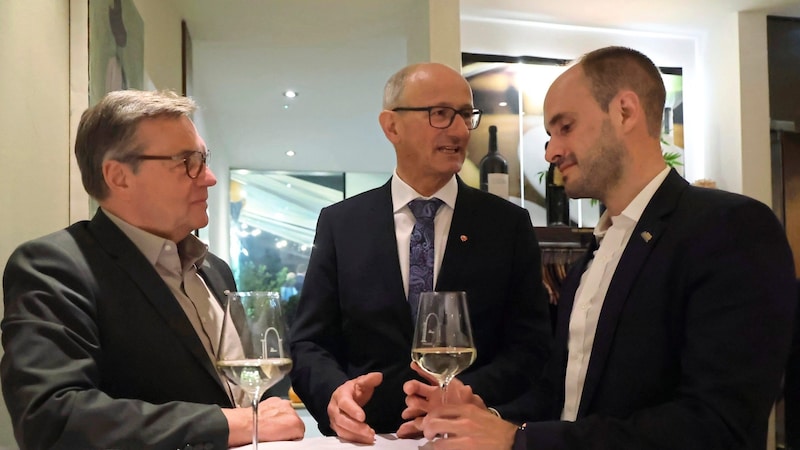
692, 337
98, 352
353, 316
791, 394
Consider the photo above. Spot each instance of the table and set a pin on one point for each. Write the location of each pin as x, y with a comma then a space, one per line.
382, 442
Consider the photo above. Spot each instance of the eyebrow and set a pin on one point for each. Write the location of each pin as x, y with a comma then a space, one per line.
555, 120
457, 108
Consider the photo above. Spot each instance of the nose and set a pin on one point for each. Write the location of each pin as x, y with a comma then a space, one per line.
552, 151
207, 177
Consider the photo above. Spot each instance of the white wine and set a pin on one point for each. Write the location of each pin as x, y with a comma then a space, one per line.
255, 375
443, 362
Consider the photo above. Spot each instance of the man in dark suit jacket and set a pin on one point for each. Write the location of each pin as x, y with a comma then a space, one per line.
351, 340
106, 345
674, 331
791, 393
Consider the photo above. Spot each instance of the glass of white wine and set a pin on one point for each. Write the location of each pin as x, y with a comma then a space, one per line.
443, 345
253, 350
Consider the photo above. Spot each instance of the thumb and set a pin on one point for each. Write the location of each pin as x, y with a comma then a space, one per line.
365, 385
369, 380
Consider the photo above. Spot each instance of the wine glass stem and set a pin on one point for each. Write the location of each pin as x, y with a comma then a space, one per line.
444, 402
255, 420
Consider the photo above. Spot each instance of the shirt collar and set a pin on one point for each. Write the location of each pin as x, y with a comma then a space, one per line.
402, 193
191, 249
633, 212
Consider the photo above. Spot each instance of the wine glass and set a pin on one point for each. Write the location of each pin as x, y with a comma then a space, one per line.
443, 345
253, 352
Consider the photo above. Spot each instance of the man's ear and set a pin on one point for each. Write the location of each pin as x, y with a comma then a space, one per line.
630, 110
388, 121
117, 175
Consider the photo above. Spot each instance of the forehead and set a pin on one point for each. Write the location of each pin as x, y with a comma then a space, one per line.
437, 86
569, 95
177, 133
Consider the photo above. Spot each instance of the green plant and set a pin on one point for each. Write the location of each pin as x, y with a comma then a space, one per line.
672, 159
254, 277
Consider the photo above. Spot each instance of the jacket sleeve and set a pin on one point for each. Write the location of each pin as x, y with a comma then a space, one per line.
51, 373
522, 342
316, 334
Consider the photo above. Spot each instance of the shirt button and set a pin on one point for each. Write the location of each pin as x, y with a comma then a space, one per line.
167, 247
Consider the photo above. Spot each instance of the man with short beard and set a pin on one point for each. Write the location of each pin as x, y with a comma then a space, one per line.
674, 330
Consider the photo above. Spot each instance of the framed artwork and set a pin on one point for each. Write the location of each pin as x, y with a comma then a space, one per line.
116, 47
510, 91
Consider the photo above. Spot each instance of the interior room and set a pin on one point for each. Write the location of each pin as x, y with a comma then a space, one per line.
279, 159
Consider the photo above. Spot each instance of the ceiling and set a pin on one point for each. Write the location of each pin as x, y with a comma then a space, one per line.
650, 15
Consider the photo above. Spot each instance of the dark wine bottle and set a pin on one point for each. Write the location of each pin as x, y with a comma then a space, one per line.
494, 168
556, 200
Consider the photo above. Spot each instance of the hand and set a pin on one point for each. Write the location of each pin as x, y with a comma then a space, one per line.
345, 410
468, 427
422, 398
277, 421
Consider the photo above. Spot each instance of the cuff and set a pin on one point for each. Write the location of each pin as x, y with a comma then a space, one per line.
520, 438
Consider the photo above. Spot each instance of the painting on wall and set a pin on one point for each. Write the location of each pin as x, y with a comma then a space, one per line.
116, 47
510, 92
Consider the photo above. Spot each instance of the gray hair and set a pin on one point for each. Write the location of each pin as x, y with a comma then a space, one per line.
107, 130
393, 91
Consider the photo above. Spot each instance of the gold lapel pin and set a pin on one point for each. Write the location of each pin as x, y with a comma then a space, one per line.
464, 238
646, 236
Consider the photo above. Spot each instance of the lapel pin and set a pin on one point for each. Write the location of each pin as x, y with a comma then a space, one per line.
646, 236
464, 238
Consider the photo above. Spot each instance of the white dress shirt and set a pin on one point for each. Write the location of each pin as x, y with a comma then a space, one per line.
613, 234
404, 222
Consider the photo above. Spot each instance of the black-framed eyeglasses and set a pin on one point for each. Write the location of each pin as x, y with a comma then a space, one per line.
194, 161
442, 116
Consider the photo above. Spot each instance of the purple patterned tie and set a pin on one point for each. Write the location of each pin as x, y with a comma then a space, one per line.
420, 273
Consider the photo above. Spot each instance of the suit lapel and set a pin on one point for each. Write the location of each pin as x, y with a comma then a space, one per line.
645, 237
380, 216
152, 287
458, 249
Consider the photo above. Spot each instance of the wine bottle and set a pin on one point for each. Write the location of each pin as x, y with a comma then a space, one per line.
494, 168
556, 198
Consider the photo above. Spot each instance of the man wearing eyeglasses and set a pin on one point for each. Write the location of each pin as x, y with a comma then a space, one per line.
111, 325
351, 340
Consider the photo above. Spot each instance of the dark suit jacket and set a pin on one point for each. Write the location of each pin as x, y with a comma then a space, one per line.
692, 337
354, 317
792, 388
98, 352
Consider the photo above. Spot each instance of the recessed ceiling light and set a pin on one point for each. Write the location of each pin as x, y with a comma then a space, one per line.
290, 153
290, 94
503, 104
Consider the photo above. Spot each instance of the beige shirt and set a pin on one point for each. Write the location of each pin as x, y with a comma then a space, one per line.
404, 222
178, 264
613, 234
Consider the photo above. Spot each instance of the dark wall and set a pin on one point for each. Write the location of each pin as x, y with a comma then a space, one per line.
783, 56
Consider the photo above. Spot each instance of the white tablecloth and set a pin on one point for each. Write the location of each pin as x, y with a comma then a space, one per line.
382, 442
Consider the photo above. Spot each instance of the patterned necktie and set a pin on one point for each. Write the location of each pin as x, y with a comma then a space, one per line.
420, 273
